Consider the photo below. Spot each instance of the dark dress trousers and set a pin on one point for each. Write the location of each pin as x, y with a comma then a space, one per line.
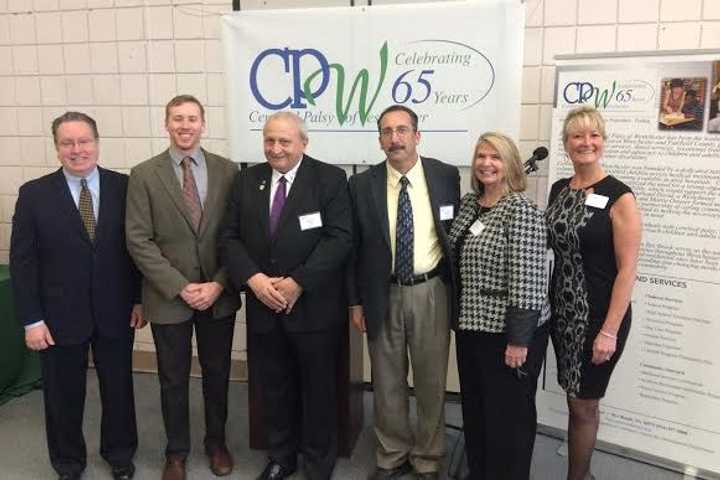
84, 291
294, 355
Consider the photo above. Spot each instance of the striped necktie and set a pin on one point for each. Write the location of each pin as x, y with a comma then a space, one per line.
190, 193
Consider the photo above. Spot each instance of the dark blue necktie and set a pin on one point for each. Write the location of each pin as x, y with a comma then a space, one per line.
404, 256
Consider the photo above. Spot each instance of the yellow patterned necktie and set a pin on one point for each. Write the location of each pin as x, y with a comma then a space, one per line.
85, 205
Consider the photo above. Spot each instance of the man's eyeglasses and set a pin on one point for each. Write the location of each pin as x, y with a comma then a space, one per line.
82, 143
400, 131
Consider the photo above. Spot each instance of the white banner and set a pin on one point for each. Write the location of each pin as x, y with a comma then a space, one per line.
457, 64
664, 142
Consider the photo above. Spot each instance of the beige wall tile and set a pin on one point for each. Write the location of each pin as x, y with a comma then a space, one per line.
560, 12
594, 12
25, 61
77, 58
710, 35
634, 11
49, 27
129, 23
189, 56
7, 91
104, 57
161, 56
29, 121
75, 26
80, 90
636, 37
679, 10
188, 22
679, 35
558, 40
53, 90
159, 22
133, 89
600, 38
529, 122
22, 29
533, 46
102, 25
136, 121
531, 85
132, 57
106, 89
50, 59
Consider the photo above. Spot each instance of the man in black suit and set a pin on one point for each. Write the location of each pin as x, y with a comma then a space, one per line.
402, 292
287, 235
75, 287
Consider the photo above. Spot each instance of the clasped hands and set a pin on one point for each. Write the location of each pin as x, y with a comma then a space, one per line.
277, 293
201, 296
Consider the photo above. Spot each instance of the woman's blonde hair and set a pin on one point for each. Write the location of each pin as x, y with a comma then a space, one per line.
515, 178
582, 118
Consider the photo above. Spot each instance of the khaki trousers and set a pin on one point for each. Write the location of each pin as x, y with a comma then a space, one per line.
417, 326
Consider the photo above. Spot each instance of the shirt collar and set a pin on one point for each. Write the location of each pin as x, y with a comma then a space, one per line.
90, 177
177, 156
289, 176
414, 175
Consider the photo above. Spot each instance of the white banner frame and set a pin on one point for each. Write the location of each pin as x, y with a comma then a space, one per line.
457, 64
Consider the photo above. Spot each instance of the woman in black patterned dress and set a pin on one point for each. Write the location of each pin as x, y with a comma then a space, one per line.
499, 239
594, 229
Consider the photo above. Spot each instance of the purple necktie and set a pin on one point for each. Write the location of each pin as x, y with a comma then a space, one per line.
277, 205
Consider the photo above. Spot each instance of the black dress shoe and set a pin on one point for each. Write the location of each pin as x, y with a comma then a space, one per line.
275, 471
124, 472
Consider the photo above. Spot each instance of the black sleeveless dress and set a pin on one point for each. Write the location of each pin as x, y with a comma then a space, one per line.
581, 237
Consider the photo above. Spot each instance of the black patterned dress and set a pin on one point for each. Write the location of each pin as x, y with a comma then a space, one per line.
581, 237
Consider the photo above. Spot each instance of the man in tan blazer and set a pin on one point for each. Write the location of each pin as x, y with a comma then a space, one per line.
175, 204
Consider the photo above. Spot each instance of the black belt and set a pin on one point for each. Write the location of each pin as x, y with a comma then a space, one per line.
416, 279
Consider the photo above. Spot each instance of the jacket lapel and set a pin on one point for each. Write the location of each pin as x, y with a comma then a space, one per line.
66, 205
261, 195
378, 188
106, 194
168, 178
434, 190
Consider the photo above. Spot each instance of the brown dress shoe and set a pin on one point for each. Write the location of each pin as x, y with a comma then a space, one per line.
174, 468
221, 462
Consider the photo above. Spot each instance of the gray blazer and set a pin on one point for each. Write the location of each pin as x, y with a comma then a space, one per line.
163, 243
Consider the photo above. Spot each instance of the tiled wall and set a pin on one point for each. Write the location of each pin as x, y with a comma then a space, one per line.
121, 60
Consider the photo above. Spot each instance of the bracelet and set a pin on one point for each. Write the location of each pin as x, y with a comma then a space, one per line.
609, 335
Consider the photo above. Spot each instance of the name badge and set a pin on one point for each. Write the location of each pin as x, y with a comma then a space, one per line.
597, 201
447, 212
310, 221
477, 227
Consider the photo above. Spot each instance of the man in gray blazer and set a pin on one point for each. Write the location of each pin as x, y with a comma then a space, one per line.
402, 292
175, 204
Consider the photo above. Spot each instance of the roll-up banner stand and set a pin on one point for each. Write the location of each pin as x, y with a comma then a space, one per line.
663, 122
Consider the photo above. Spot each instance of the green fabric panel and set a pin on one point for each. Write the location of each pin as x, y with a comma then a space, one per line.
19, 367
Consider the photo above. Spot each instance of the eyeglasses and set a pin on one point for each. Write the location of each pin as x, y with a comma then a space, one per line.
82, 143
400, 131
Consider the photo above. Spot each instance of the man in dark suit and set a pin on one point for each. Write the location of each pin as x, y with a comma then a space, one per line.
175, 204
287, 236
402, 292
76, 287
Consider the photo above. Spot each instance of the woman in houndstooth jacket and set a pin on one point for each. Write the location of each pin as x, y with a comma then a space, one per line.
499, 241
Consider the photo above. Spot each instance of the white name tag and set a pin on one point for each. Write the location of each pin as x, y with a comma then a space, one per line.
310, 221
597, 201
477, 227
447, 212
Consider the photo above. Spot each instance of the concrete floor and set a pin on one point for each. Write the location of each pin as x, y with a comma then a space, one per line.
23, 455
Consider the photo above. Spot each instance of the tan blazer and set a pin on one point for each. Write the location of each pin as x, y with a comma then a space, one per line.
165, 246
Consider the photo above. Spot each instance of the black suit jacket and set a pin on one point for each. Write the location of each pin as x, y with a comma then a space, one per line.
58, 274
314, 258
369, 271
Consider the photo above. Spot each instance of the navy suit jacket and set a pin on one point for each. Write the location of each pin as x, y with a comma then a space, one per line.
78, 287
371, 266
315, 258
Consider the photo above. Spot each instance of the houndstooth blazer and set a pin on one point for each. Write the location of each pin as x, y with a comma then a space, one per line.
502, 269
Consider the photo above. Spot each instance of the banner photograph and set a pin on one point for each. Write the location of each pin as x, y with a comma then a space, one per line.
661, 113
338, 68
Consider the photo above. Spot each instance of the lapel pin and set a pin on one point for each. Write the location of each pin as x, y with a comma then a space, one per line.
262, 185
